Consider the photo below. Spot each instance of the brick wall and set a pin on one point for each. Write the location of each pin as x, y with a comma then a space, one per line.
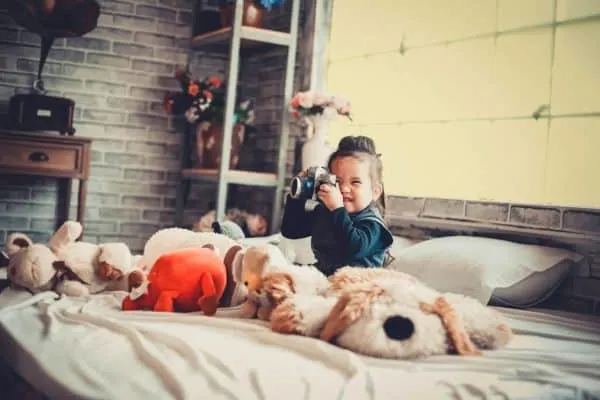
118, 75
575, 228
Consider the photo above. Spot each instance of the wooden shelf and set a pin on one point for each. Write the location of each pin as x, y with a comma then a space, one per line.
252, 39
237, 177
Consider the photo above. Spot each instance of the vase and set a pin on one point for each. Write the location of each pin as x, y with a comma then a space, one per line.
253, 14
316, 149
209, 141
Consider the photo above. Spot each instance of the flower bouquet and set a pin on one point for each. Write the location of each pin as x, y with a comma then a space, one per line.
202, 102
316, 109
311, 105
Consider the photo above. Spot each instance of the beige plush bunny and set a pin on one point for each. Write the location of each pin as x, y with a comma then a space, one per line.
69, 266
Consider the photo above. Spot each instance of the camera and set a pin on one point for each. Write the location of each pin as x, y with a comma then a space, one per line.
307, 187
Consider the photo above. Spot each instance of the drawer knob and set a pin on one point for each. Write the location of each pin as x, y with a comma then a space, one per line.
38, 156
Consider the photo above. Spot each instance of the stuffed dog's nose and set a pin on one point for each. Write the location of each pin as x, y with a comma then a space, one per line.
398, 328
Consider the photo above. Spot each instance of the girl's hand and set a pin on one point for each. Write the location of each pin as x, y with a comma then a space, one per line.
331, 196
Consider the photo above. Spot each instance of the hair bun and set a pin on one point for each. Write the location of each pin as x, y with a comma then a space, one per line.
362, 144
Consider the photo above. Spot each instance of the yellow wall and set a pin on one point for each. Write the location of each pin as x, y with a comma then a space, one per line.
452, 115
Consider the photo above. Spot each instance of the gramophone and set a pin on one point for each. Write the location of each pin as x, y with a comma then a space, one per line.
50, 19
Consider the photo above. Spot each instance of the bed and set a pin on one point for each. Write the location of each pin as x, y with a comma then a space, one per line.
87, 348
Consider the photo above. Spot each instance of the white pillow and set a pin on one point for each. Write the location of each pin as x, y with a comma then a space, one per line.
476, 266
534, 289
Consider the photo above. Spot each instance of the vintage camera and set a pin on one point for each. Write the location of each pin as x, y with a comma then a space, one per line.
307, 187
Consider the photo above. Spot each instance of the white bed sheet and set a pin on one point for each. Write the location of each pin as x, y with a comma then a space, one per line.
75, 348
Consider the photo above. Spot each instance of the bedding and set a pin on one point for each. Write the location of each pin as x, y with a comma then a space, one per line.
514, 274
87, 348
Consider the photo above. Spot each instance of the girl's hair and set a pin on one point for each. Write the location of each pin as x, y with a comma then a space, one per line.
363, 148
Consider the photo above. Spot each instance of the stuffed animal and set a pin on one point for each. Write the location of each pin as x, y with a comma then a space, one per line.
253, 264
390, 316
251, 225
183, 280
170, 239
68, 266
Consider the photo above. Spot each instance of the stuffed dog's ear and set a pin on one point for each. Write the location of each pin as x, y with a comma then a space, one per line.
233, 268
236, 264
350, 307
230, 256
457, 332
15, 242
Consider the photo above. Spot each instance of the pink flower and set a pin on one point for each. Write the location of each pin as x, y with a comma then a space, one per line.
295, 102
322, 99
344, 110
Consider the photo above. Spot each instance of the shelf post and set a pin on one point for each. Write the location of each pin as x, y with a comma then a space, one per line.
230, 100
285, 127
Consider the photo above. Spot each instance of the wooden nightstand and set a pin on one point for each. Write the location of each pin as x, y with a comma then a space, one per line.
53, 155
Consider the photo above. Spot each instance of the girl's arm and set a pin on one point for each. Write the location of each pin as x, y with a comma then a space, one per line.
359, 238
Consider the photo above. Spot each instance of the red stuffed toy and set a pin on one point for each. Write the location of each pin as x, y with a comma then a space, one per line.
183, 280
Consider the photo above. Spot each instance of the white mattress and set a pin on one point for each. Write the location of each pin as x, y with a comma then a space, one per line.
69, 348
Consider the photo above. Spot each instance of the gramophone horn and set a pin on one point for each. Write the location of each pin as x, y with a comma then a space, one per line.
55, 18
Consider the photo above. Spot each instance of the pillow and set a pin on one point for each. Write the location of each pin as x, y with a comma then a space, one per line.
477, 266
534, 289
400, 243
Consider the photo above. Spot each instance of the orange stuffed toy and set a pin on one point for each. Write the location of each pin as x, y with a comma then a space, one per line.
182, 280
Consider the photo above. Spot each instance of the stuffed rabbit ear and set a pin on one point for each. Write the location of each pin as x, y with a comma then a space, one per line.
68, 233
350, 307
15, 242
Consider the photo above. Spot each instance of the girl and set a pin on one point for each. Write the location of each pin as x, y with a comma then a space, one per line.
347, 228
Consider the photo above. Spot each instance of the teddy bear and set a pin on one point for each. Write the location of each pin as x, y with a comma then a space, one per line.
382, 313
253, 264
68, 266
182, 280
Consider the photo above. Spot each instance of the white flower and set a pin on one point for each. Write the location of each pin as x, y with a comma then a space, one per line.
191, 114
306, 99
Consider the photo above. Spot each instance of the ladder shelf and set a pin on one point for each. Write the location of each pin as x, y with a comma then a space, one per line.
238, 41
252, 39
234, 176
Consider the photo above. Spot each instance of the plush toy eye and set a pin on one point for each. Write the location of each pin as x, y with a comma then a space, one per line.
246, 283
398, 328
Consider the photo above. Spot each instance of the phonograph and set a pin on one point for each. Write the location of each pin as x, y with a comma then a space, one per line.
50, 19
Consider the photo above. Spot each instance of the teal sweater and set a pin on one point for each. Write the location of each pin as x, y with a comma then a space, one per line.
339, 238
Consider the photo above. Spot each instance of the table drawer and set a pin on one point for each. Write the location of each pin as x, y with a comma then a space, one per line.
42, 156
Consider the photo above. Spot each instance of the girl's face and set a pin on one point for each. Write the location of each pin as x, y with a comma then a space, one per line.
355, 183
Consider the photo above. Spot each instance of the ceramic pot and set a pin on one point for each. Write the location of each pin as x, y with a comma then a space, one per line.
316, 150
209, 140
253, 14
